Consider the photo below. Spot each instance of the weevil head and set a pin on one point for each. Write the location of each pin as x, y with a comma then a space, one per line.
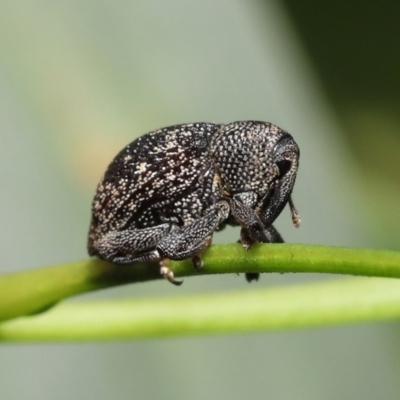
285, 157
260, 159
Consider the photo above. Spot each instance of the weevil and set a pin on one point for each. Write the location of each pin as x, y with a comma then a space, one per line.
164, 194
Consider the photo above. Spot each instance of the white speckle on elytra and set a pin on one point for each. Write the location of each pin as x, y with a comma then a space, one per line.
142, 167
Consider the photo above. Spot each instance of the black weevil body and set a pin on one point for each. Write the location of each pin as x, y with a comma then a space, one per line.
164, 194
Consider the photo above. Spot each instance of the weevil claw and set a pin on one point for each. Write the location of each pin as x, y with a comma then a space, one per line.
168, 274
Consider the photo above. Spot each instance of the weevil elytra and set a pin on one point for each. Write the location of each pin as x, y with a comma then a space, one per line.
164, 194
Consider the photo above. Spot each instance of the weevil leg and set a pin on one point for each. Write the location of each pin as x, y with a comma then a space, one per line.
190, 240
252, 276
122, 247
245, 239
272, 236
152, 255
197, 262
167, 273
255, 230
170, 242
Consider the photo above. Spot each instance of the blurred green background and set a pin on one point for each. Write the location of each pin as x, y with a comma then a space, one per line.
81, 79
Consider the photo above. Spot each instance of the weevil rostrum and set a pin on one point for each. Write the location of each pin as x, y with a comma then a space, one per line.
164, 194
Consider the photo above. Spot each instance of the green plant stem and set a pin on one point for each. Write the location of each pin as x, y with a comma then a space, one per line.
317, 304
33, 291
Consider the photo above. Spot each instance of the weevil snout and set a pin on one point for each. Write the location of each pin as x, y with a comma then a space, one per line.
286, 158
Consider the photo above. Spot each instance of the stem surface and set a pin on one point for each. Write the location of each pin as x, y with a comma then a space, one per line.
34, 291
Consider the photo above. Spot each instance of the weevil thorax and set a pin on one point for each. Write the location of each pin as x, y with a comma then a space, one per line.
243, 154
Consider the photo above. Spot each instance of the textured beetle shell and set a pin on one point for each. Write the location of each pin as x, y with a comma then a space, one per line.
175, 174
163, 175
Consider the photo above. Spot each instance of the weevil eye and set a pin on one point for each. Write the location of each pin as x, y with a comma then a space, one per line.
284, 167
